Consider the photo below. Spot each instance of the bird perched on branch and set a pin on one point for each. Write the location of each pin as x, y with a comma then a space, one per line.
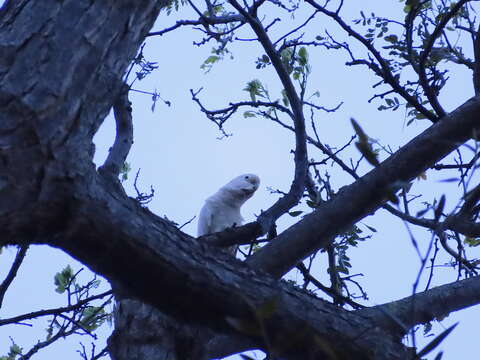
222, 209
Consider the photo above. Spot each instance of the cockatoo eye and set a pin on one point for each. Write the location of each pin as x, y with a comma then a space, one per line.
252, 179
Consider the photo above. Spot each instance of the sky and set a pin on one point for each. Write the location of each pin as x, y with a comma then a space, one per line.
178, 153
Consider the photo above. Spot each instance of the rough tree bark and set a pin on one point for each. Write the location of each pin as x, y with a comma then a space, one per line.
60, 73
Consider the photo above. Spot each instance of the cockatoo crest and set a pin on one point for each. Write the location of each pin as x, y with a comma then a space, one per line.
222, 209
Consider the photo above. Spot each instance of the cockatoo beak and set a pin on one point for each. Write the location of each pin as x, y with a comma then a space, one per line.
249, 191
254, 182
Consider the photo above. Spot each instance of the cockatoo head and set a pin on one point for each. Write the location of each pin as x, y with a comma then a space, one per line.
243, 186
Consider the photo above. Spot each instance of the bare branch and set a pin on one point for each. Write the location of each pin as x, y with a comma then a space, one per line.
268, 217
463, 263
429, 92
220, 116
384, 70
55, 311
476, 62
61, 333
323, 108
124, 136
327, 290
204, 21
296, 29
22, 251
142, 198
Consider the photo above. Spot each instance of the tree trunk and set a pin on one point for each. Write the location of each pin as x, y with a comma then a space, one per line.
142, 332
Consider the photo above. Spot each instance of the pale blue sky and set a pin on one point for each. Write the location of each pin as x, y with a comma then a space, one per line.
178, 153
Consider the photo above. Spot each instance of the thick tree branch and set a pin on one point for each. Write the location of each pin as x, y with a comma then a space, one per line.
149, 252
370, 192
166, 336
131, 246
420, 308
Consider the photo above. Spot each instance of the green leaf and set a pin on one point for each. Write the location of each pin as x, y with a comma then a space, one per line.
303, 56
92, 317
472, 242
62, 279
49, 331
174, 5
303, 52
254, 88
391, 38
125, 169
209, 62
285, 100
212, 59
366, 150
295, 213
435, 342
358, 130
419, 116
13, 352
286, 58
249, 114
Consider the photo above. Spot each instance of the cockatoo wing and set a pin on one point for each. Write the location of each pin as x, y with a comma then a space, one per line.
205, 220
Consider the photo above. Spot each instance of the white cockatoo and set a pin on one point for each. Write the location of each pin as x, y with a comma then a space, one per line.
222, 209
